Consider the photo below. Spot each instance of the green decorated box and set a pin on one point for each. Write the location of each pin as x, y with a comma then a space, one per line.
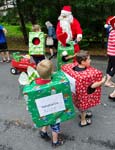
50, 103
36, 43
69, 49
17, 56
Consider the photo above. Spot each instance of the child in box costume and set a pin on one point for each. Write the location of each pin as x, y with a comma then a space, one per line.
65, 54
49, 100
37, 44
86, 88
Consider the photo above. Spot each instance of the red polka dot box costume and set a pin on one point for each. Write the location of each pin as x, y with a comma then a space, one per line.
83, 80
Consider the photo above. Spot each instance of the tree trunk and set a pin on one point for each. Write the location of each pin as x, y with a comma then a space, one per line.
102, 41
22, 22
33, 19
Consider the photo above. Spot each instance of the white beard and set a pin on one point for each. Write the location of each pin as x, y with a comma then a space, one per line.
65, 25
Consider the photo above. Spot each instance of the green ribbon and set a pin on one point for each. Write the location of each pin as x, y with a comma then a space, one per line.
32, 77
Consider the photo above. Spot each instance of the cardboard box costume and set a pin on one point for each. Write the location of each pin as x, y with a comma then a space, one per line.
81, 81
61, 49
36, 43
49, 103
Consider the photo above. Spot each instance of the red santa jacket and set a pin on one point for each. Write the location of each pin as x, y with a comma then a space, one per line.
75, 29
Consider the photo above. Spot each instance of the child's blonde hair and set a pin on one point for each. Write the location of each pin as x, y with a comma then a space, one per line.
45, 69
36, 28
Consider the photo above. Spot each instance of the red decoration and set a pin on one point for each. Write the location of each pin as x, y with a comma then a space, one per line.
36, 41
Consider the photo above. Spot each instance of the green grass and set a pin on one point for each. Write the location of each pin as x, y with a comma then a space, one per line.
15, 30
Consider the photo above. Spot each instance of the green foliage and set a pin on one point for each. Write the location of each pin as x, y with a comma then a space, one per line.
10, 17
84, 44
91, 15
13, 31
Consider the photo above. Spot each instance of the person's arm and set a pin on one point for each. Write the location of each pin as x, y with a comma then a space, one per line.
78, 31
51, 52
92, 87
98, 83
70, 56
5, 31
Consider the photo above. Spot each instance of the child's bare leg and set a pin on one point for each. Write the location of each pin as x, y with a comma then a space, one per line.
56, 140
54, 137
98, 83
3, 56
109, 82
43, 133
51, 52
84, 121
8, 55
44, 129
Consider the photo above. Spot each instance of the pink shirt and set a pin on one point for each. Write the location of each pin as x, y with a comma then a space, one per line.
111, 43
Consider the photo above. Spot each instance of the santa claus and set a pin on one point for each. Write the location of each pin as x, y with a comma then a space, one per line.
68, 28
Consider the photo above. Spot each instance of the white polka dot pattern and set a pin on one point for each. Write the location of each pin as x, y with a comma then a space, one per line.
84, 79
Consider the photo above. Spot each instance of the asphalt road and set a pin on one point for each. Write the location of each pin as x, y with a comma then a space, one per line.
18, 133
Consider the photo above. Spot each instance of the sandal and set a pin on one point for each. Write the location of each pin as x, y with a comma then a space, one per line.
8, 61
58, 143
3, 60
88, 122
89, 114
110, 85
112, 98
44, 136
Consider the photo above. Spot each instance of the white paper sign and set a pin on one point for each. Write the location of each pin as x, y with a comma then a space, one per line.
72, 82
50, 104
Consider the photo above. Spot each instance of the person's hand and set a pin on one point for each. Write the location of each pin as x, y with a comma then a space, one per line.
78, 39
5, 31
104, 79
75, 54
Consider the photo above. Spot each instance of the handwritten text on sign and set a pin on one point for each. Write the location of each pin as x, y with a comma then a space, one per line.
50, 104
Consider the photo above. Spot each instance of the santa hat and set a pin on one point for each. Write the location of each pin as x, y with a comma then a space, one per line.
66, 10
112, 22
108, 21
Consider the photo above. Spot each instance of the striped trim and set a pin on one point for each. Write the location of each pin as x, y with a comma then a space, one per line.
111, 44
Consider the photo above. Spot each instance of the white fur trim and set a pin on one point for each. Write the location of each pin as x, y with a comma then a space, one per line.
79, 35
64, 53
64, 12
106, 26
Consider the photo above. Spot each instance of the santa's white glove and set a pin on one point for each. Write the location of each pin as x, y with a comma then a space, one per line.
79, 37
